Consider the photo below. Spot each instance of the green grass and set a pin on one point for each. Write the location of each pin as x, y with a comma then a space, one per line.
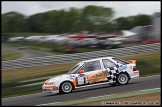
8, 55
11, 80
17, 91
148, 64
53, 48
42, 45
46, 50
34, 72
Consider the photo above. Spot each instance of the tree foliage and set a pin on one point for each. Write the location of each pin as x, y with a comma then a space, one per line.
91, 18
132, 21
14, 22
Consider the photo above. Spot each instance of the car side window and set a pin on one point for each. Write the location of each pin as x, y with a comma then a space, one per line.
107, 63
91, 66
96, 65
120, 61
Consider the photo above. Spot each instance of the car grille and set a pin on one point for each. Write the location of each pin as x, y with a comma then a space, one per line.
47, 90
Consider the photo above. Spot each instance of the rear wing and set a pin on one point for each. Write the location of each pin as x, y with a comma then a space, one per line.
135, 71
132, 61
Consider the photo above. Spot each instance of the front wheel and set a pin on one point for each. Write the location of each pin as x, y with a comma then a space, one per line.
66, 87
122, 79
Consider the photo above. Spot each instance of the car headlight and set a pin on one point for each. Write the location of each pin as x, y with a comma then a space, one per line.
51, 83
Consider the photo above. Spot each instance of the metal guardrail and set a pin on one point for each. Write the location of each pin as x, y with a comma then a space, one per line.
68, 58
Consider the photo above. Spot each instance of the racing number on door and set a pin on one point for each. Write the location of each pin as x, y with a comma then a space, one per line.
90, 69
82, 79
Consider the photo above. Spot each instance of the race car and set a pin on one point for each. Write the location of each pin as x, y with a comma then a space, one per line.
92, 72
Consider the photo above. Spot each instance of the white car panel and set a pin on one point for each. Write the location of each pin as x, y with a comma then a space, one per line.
100, 74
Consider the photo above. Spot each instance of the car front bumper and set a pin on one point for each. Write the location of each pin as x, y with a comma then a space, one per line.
50, 89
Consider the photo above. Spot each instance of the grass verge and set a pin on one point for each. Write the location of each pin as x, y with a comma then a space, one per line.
8, 55
148, 64
54, 48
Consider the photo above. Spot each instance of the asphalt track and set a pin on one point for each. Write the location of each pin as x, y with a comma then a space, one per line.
39, 98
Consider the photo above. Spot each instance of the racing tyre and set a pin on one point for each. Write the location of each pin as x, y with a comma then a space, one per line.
122, 79
66, 87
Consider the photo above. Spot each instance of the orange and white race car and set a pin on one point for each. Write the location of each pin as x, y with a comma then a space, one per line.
93, 72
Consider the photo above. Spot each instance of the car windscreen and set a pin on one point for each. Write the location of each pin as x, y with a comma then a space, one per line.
76, 68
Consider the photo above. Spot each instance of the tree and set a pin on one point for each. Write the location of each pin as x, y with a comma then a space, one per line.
132, 21
141, 20
72, 19
122, 23
36, 22
13, 22
90, 18
96, 16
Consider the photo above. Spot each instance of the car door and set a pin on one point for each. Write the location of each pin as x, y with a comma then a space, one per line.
111, 68
92, 73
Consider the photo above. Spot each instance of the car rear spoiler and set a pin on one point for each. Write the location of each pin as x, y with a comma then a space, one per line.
132, 61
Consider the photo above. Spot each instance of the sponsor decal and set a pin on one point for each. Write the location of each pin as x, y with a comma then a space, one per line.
123, 67
74, 82
100, 76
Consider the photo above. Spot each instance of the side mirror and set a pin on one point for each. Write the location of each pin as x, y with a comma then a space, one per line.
81, 71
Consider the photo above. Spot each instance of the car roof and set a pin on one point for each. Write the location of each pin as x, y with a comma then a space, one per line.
97, 59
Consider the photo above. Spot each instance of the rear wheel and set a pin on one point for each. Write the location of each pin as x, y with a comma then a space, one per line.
66, 87
122, 79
